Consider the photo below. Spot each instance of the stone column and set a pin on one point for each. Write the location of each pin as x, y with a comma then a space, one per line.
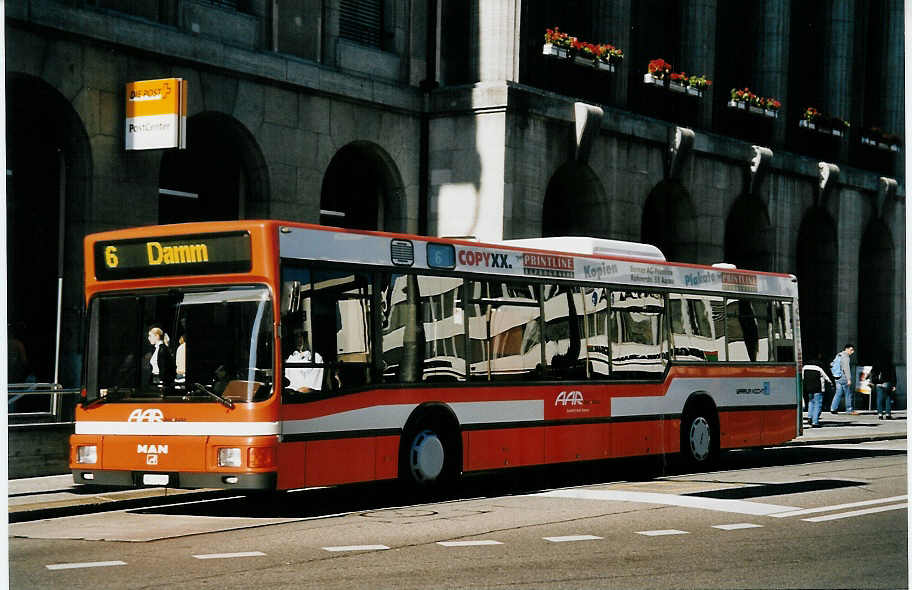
891, 84
771, 58
498, 40
698, 48
839, 26
612, 25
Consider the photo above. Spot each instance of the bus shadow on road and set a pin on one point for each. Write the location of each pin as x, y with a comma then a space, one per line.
357, 498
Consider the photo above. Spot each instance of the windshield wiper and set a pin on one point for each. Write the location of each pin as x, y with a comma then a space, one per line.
225, 402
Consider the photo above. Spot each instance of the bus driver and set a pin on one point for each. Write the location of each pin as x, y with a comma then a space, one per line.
304, 379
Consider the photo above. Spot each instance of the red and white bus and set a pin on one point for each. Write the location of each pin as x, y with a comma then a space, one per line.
277, 355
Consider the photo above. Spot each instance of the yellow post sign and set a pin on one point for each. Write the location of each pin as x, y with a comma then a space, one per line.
156, 114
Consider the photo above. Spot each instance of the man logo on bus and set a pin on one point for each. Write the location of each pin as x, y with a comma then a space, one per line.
574, 398
150, 415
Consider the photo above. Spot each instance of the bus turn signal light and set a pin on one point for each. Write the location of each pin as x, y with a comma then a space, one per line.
260, 457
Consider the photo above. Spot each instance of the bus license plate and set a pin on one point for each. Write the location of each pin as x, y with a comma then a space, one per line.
155, 479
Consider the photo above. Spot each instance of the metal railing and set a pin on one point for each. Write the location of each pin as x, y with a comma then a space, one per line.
40, 403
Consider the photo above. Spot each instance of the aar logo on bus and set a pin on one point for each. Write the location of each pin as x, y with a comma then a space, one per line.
150, 415
569, 398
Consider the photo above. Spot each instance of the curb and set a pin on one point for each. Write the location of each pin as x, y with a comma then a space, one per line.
802, 442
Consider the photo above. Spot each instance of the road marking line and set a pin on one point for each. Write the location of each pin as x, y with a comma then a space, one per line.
838, 507
357, 548
467, 543
856, 513
718, 504
230, 555
70, 566
661, 533
571, 538
738, 526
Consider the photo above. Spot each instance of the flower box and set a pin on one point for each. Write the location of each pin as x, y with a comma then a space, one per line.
881, 145
754, 110
650, 79
814, 127
694, 91
552, 50
677, 87
593, 63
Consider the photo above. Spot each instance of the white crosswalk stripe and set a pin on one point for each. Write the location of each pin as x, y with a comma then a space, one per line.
572, 538
70, 566
662, 533
356, 548
856, 513
230, 555
737, 526
836, 507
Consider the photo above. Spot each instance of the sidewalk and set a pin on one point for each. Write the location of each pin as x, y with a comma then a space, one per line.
852, 428
57, 495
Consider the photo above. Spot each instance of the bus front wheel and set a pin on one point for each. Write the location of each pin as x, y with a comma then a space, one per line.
429, 455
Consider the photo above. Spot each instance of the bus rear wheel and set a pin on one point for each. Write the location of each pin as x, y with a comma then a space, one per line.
699, 438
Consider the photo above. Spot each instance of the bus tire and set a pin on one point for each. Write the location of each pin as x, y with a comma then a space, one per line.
699, 436
429, 456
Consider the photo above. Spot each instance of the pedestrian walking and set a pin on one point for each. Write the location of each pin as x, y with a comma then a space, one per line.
841, 370
814, 382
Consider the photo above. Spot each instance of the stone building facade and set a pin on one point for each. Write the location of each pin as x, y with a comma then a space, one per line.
446, 118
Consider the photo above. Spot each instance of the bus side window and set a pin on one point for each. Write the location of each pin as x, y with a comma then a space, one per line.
782, 336
597, 314
639, 347
505, 330
423, 328
342, 325
693, 329
566, 345
748, 330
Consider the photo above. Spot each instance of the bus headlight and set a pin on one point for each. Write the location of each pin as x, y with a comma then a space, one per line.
87, 454
229, 457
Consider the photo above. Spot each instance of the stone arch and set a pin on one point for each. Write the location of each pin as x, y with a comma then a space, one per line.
222, 174
669, 222
49, 184
817, 266
749, 235
575, 204
363, 189
876, 321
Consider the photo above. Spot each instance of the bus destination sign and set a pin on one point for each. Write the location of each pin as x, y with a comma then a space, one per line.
173, 255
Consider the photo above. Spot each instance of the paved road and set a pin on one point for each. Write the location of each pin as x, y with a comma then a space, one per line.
770, 518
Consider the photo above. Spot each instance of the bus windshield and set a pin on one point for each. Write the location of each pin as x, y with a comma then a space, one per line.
180, 345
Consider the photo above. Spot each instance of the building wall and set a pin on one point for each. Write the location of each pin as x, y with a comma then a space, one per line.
479, 141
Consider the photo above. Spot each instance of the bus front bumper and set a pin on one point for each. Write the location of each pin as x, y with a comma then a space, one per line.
187, 480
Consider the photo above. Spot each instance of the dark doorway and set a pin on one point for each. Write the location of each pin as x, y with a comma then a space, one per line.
748, 235
875, 294
210, 180
817, 268
362, 189
575, 204
46, 155
669, 222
